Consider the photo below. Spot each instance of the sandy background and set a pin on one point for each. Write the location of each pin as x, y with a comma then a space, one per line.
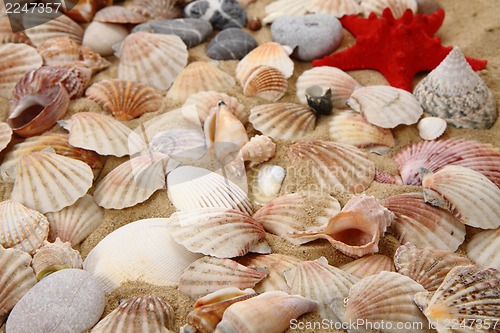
472, 25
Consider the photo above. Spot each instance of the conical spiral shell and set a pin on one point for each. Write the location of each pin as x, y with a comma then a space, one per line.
206, 100
484, 249
53, 257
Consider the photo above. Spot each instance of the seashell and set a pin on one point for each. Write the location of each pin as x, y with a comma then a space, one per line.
369, 265
123, 256
435, 155
431, 128
85, 10
125, 99
152, 59
207, 275
387, 297
357, 229
265, 82
132, 182
141, 314
269, 120
351, 128
349, 168
467, 295
295, 213
49, 182
53, 257
191, 187
259, 149
387, 178
45, 26
10, 35
206, 100
222, 14
422, 224
22, 228
199, 76
341, 84
319, 99
316, 280
267, 184
101, 37
178, 143
16, 278
75, 223
231, 44
385, 106
284, 8
119, 14
466, 193
5, 135
337, 8
218, 232
483, 249
426, 266
17, 60
269, 312
454, 92
93, 60
397, 7
270, 54
157, 9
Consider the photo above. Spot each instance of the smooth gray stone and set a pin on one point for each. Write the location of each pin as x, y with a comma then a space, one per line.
67, 301
311, 36
222, 14
230, 44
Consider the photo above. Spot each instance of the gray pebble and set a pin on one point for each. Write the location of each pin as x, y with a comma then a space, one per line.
311, 36
67, 301
222, 14
230, 44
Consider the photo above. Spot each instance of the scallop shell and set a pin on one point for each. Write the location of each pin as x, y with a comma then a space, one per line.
484, 249
297, 212
208, 274
468, 295
140, 314
22, 228
265, 82
387, 178
351, 128
337, 167
422, 224
206, 100
369, 265
283, 120
7, 35
341, 84
179, 144
267, 184
397, 7
49, 182
453, 91
16, 278
152, 59
123, 256
46, 26
125, 99
427, 266
53, 257
386, 106
157, 9
431, 128
259, 149
466, 193
199, 76
5, 135
119, 14
337, 8
230, 44
17, 60
75, 223
284, 7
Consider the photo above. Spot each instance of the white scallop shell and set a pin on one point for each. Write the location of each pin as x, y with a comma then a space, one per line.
369, 265
206, 100
47, 26
484, 248
397, 7
53, 257
284, 7
267, 184
431, 128
5, 135
337, 8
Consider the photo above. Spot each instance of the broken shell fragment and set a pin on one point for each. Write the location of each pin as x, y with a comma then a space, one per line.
319, 99
53, 257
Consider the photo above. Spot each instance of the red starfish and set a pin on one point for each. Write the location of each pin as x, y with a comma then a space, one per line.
397, 48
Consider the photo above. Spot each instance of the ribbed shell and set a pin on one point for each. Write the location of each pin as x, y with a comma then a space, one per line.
53, 257
267, 83
119, 14
484, 249
47, 26
337, 8
6, 33
369, 265
285, 7
397, 7
5, 135
431, 128
206, 100
157, 9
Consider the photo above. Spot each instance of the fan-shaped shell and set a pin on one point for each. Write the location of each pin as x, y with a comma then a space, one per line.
5, 135
7, 35
337, 8
259, 149
206, 100
484, 249
285, 7
385, 106
265, 82
283, 120
431, 128
466, 193
369, 265
397, 7
124, 255
22, 228
179, 143
337, 167
157, 9
152, 59
53, 257
119, 14
46, 26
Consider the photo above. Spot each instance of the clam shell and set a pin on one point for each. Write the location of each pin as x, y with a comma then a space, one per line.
140, 314
208, 274
5, 135
259, 149
369, 265
22, 228
266, 82
152, 59
49, 182
17, 60
119, 14
267, 184
75, 223
466, 193
427, 266
397, 7
206, 100
385, 106
157, 9
124, 255
455, 92
484, 249
53, 257
349, 168
101, 37
422, 224
283, 120
341, 84
431, 128
230, 44
46, 26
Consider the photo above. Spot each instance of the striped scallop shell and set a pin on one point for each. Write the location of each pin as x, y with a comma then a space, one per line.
283, 120
341, 84
157, 9
46, 26
119, 14
285, 7
139, 314
266, 82
152, 59
423, 224
397, 7
22, 228
431, 128
7, 35
208, 274
206, 100
5, 135
484, 249
49, 182
337, 8
466, 193
369, 265
349, 168
53, 257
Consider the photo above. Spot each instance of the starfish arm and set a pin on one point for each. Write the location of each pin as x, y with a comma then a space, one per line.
359, 26
477, 64
349, 59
